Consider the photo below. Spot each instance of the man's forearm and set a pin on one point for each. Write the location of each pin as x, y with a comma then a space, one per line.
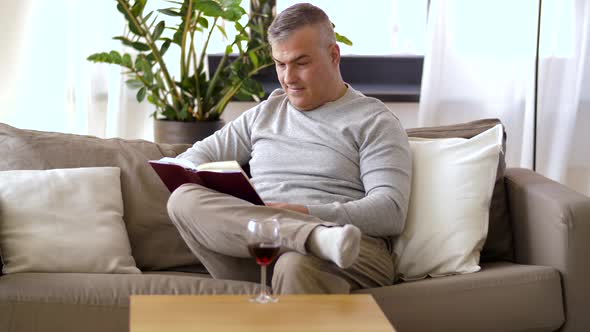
374, 215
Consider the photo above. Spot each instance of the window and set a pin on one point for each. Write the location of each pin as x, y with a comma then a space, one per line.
376, 27
389, 40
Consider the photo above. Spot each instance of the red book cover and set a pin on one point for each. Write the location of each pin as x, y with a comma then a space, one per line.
228, 178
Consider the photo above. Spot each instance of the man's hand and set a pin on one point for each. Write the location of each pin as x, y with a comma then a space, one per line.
287, 206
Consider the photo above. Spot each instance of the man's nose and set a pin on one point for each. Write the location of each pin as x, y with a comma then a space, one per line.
290, 76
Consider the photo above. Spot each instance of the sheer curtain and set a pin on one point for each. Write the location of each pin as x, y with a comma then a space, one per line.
564, 93
480, 63
46, 82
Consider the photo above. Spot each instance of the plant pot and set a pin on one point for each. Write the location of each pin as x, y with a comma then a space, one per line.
177, 132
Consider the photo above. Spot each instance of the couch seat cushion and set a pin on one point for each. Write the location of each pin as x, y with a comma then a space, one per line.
92, 302
501, 297
110, 289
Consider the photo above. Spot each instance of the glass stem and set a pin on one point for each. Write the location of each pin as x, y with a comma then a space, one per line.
263, 280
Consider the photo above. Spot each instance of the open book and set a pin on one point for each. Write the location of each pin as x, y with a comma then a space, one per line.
223, 176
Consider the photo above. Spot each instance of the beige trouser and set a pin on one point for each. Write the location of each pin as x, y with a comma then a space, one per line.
214, 227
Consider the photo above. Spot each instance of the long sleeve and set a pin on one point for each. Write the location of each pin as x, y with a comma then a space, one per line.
232, 142
385, 172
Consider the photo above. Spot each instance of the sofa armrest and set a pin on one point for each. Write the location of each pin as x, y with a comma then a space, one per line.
551, 226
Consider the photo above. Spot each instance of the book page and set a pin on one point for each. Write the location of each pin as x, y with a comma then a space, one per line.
221, 166
181, 162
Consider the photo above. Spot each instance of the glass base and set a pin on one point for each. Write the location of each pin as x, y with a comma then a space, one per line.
264, 298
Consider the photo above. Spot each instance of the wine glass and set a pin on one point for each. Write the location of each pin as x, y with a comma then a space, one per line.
264, 243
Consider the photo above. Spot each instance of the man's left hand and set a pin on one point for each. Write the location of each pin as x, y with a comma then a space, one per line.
287, 206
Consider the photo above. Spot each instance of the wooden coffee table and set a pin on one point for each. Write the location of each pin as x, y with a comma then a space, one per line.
176, 313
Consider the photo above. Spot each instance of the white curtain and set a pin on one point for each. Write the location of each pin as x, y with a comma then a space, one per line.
46, 83
480, 63
563, 152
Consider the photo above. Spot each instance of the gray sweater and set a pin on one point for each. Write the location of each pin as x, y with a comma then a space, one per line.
347, 161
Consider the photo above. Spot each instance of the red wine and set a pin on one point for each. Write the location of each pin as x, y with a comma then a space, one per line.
263, 252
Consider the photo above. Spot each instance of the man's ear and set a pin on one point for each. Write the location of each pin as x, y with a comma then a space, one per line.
335, 53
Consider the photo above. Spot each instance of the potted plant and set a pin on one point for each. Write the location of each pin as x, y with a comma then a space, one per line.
195, 97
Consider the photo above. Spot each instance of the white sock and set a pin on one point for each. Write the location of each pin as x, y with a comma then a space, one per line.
340, 245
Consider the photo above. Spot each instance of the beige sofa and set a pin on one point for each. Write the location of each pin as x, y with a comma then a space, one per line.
533, 277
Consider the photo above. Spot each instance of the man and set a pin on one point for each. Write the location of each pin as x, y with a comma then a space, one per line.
333, 166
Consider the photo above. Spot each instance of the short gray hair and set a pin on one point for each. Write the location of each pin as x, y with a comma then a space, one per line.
298, 16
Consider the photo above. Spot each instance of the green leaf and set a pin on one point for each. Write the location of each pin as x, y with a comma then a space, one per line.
159, 80
239, 27
234, 13
170, 12
254, 58
138, 6
169, 113
184, 112
228, 49
121, 9
147, 17
124, 40
209, 8
135, 29
146, 69
105, 58
177, 38
134, 83
341, 39
141, 94
222, 30
126, 61
139, 62
251, 86
140, 46
203, 22
115, 57
186, 83
165, 46
96, 57
132, 26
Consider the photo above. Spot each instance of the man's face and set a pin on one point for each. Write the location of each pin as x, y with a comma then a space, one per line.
307, 68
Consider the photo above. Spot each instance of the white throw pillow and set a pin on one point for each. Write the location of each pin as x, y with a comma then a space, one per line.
64, 220
447, 223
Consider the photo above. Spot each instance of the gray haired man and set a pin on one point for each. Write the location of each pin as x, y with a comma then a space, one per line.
332, 165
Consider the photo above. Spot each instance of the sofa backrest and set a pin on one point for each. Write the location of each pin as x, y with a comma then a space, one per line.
498, 245
155, 242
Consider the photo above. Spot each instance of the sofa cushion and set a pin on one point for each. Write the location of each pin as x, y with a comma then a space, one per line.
498, 245
155, 242
92, 302
501, 297
64, 220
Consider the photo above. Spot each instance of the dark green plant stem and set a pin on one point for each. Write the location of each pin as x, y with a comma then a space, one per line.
171, 85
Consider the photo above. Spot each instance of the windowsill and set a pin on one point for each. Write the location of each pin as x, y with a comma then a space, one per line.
388, 78
401, 93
